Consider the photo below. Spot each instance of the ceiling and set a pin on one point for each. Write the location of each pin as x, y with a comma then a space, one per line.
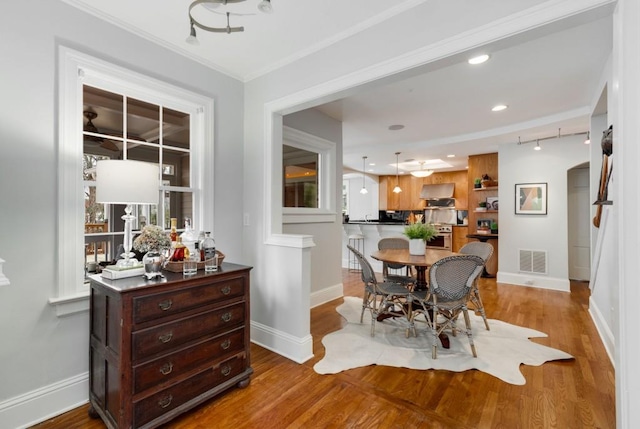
546, 77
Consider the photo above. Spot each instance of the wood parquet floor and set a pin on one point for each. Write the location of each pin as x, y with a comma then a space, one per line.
572, 394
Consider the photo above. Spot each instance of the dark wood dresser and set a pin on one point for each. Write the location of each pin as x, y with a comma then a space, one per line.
160, 347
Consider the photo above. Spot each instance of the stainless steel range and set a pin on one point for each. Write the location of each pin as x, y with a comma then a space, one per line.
443, 239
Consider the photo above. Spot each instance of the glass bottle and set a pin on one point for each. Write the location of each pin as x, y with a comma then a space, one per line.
180, 252
207, 247
174, 233
189, 236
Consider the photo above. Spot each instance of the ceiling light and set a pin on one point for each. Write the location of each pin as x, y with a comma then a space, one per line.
499, 107
451, 156
210, 5
363, 191
397, 189
479, 59
422, 172
588, 140
396, 127
537, 146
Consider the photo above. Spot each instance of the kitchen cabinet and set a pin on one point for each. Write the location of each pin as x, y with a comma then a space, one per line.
161, 347
409, 198
459, 237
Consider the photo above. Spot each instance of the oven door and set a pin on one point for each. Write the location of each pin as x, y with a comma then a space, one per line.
440, 241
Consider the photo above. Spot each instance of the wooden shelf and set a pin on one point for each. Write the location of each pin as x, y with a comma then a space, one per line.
485, 211
489, 188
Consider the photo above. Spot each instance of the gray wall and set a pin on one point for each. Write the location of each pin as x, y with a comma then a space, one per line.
39, 349
325, 256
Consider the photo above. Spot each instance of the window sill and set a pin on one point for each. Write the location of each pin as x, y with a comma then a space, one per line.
71, 304
313, 216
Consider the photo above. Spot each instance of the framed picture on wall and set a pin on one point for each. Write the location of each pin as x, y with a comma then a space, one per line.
531, 198
492, 203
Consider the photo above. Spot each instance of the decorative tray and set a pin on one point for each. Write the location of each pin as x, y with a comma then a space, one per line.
176, 267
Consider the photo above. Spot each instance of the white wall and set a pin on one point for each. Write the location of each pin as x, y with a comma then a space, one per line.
522, 164
363, 205
43, 358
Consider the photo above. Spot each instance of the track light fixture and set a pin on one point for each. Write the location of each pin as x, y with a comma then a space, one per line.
397, 189
363, 191
588, 139
264, 6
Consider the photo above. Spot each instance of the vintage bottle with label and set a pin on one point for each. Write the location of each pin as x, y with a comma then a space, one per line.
207, 247
180, 253
174, 233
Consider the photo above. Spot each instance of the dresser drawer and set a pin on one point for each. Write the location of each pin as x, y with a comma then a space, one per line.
167, 337
154, 306
168, 399
180, 362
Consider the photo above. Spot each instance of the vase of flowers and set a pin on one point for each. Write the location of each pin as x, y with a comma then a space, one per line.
418, 234
153, 242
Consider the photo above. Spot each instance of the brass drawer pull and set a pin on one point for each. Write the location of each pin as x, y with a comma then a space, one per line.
165, 305
226, 370
165, 402
226, 344
226, 290
166, 337
226, 316
167, 368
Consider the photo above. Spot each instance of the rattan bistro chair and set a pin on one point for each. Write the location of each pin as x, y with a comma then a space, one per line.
394, 276
483, 250
450, 283
393, 296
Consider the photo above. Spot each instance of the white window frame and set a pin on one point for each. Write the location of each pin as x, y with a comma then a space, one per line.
74, 70
326, 150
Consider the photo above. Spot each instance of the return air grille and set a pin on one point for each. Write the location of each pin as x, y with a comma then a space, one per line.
533, 261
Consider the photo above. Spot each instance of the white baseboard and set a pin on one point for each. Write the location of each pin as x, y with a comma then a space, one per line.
45, 403
297, 349
530, 280
326, 295
603, 329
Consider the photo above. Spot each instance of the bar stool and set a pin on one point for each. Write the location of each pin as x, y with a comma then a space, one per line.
357, 242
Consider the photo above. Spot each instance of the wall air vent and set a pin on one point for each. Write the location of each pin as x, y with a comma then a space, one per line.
533, 261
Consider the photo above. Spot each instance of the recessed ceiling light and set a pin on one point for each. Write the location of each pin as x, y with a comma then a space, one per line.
479, 59
451, 155
396, 127
499, 107
372, 164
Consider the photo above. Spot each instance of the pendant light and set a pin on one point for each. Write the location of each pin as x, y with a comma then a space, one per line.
363, 191
588, 140
421, 172
397, 189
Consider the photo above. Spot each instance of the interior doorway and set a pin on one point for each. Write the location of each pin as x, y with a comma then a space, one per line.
579, 223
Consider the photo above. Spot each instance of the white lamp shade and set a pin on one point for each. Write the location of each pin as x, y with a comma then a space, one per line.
126, 182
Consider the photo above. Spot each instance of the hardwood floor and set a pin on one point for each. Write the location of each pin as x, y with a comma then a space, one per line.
577, 393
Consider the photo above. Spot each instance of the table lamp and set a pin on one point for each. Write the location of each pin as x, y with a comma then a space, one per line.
127, 182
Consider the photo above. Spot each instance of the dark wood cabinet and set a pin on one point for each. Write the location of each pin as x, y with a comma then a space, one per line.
159, 348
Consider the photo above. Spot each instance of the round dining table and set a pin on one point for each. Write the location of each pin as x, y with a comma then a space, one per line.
420, 262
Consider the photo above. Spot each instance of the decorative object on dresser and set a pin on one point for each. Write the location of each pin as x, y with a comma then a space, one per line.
154, 243
158, 348
127, 182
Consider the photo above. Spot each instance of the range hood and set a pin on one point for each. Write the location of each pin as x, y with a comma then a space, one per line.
437, 191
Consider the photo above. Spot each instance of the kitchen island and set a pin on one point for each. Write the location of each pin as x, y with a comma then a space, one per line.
372, 232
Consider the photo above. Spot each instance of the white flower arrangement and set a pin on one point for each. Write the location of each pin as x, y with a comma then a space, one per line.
152, 237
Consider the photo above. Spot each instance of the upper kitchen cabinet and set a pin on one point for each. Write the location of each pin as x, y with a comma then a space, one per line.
409, 198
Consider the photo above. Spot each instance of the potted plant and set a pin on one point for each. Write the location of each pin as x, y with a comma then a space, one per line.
477, 183
494, 227
418, 235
